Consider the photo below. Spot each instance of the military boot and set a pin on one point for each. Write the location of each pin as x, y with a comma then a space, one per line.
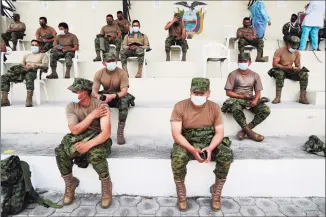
181, 193
184, 55
53, 74
14, 48
252, 135
303, 97
168, 56
140, 70
98, 56
260, 57
120, 137
278, 96
67, 75
29, 98
4, 99
242, 134
71, 185
106, 193
216, 191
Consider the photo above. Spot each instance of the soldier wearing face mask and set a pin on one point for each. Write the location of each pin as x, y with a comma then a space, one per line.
198, 131
123, 24
247, 36
26, 71
45, 35
177, 36
115, 84
291, 28
110, 34
239, 87
15, 31
134, 44
287, 64
64, 46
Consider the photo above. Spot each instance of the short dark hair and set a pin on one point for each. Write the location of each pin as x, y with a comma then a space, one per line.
64, 25
109, 15
38, 43
44, 18
119, 12
135, 21
246, 18
294, 15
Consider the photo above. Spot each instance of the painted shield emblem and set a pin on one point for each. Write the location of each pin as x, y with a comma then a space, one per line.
190, 20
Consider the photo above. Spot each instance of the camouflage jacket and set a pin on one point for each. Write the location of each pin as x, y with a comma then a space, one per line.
227, 105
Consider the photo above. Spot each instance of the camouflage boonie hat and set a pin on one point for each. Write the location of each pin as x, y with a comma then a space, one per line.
108, 56
243, 56
295, 42
200, 84
81, 84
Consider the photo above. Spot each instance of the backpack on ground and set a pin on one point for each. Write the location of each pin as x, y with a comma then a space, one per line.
16, 187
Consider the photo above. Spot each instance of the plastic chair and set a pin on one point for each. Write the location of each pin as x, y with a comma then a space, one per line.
230, 34
20, 43
176, 48
144, 64
75, 64
111, 46
216, 53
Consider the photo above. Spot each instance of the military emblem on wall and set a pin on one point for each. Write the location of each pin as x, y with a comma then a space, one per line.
192, 15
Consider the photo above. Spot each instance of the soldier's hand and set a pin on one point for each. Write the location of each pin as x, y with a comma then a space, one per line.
209, 154
133, 47
196, 153
99, 112
109, 97
82, 147
253, 103
175, 19
28, 66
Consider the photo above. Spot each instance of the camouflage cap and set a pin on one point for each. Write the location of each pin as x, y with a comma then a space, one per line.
200, 84
109, 56
244, 56
81, 84
295, 42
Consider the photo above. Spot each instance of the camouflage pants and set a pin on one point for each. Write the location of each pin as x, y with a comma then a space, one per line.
257, 43
65, 154
18, 74
117, 42
222, 155
172, 40
13, 36
56, 55
280, 74
123, 106
46, 46
261, 112
139, 53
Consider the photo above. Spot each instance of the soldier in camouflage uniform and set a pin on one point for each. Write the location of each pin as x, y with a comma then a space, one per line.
15, 31
134, 44
115, 84
110, 34
26, 71
197, 128
239, 87
123, 24
45, 35
177, 36
247, 36
283, 61
291, 28
88, 140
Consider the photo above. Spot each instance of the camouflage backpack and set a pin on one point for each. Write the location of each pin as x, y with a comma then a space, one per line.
16, 187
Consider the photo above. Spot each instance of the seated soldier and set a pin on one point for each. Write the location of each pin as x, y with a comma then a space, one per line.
123, 24
45, 35
26, 71
247, 36
177, 36
115, 84
88, 141
110, 34
15, 31
3, 49
64, 46
198, 130
291, 28
283, 61
239, 87
134, 44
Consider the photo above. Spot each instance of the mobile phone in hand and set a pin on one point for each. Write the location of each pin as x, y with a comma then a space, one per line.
203, 155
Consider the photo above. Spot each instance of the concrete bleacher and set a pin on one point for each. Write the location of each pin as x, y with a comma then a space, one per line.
276, 167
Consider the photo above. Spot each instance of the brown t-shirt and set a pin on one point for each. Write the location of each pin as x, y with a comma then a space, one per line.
194, 118
67, 41
122, 22
176, 30
76, 113
111, 81
48, 30
246, 32
111, 30
39, 59
243, 84
18, 25
136, 38
287, 57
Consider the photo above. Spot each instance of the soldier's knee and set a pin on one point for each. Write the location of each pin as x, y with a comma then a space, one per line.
236, 107
179, 160
303, 75
267, 110
225, 154
279, 73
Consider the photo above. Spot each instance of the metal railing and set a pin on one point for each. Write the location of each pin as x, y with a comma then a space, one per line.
7, 8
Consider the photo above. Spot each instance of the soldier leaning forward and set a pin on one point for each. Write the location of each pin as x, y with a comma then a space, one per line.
115, 84
45, 35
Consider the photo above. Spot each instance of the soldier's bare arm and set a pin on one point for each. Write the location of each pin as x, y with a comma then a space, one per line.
124, 92
96, 87
232, 94
276, 63
239, 33
169, 24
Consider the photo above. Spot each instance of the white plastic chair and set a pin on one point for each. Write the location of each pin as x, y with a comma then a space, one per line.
111, 46
230, 34
20, 43
144, 64
176, 48
217, 53
75, 64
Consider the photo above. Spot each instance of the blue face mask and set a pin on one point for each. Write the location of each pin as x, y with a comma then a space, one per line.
74, 98
291, 50
35, 49
243, 66
198, 100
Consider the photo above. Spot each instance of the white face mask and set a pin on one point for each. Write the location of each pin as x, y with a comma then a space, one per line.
198, 100
111, 66
74, 98
35, 49
291, 50
243, 66
135, 29
61, 32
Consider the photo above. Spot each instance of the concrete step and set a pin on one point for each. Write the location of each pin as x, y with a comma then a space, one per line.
259, 166
50, 118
